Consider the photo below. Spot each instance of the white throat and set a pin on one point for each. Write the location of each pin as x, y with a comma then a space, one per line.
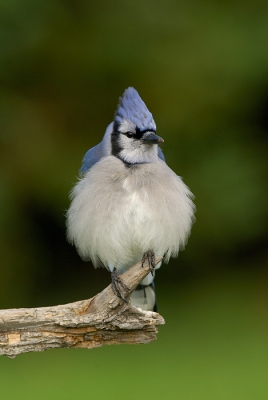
136, 152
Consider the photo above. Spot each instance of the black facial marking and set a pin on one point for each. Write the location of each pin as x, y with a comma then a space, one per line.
115, 142
139, 133
116, 148
116, 127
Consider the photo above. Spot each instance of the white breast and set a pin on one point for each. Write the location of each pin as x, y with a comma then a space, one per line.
118, 213
137, 208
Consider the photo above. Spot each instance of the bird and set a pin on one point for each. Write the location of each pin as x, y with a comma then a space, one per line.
128, 205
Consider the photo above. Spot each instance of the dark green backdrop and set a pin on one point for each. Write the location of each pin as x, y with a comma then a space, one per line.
202, 69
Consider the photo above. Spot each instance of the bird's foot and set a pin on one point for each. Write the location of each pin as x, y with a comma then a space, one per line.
116, 282
150, 256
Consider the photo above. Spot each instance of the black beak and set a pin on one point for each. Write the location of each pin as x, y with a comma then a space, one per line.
152, 138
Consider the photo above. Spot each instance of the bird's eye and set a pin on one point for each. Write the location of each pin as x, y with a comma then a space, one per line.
129, 134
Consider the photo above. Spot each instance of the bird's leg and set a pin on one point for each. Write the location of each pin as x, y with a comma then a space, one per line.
116, 281
149, 255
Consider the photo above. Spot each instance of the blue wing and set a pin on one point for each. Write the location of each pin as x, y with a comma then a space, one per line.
92, 156
161, 154
103, 149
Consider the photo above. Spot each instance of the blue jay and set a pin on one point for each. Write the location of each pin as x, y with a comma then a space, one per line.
129, 205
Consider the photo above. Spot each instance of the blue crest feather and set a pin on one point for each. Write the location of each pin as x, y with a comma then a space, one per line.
132, 108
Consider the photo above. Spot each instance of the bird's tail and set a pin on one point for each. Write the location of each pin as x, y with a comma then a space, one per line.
144, 297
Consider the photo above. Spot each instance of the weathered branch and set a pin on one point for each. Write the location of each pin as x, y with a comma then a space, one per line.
103, 319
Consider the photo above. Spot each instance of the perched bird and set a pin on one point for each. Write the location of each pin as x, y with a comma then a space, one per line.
129, 205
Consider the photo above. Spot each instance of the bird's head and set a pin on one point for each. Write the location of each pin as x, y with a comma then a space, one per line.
134, 138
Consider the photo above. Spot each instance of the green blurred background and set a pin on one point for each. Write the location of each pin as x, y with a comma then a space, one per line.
202, 69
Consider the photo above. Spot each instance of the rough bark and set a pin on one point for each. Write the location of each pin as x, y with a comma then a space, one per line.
103, 319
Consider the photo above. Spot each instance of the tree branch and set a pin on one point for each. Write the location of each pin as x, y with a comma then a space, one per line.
103, 319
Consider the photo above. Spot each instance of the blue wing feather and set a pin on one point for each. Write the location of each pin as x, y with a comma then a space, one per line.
103, 149
92, 156
161, 154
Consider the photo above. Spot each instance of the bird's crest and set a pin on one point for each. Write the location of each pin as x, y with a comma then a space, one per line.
132, 108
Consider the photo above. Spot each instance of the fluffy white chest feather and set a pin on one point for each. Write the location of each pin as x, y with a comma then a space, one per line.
136, 208
118, 213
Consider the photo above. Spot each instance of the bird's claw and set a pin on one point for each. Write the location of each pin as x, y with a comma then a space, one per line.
116, 281
150, 257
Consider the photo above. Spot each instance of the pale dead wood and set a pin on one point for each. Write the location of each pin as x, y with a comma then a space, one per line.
103, 319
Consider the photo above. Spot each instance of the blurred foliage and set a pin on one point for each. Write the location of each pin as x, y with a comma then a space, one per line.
202, 69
